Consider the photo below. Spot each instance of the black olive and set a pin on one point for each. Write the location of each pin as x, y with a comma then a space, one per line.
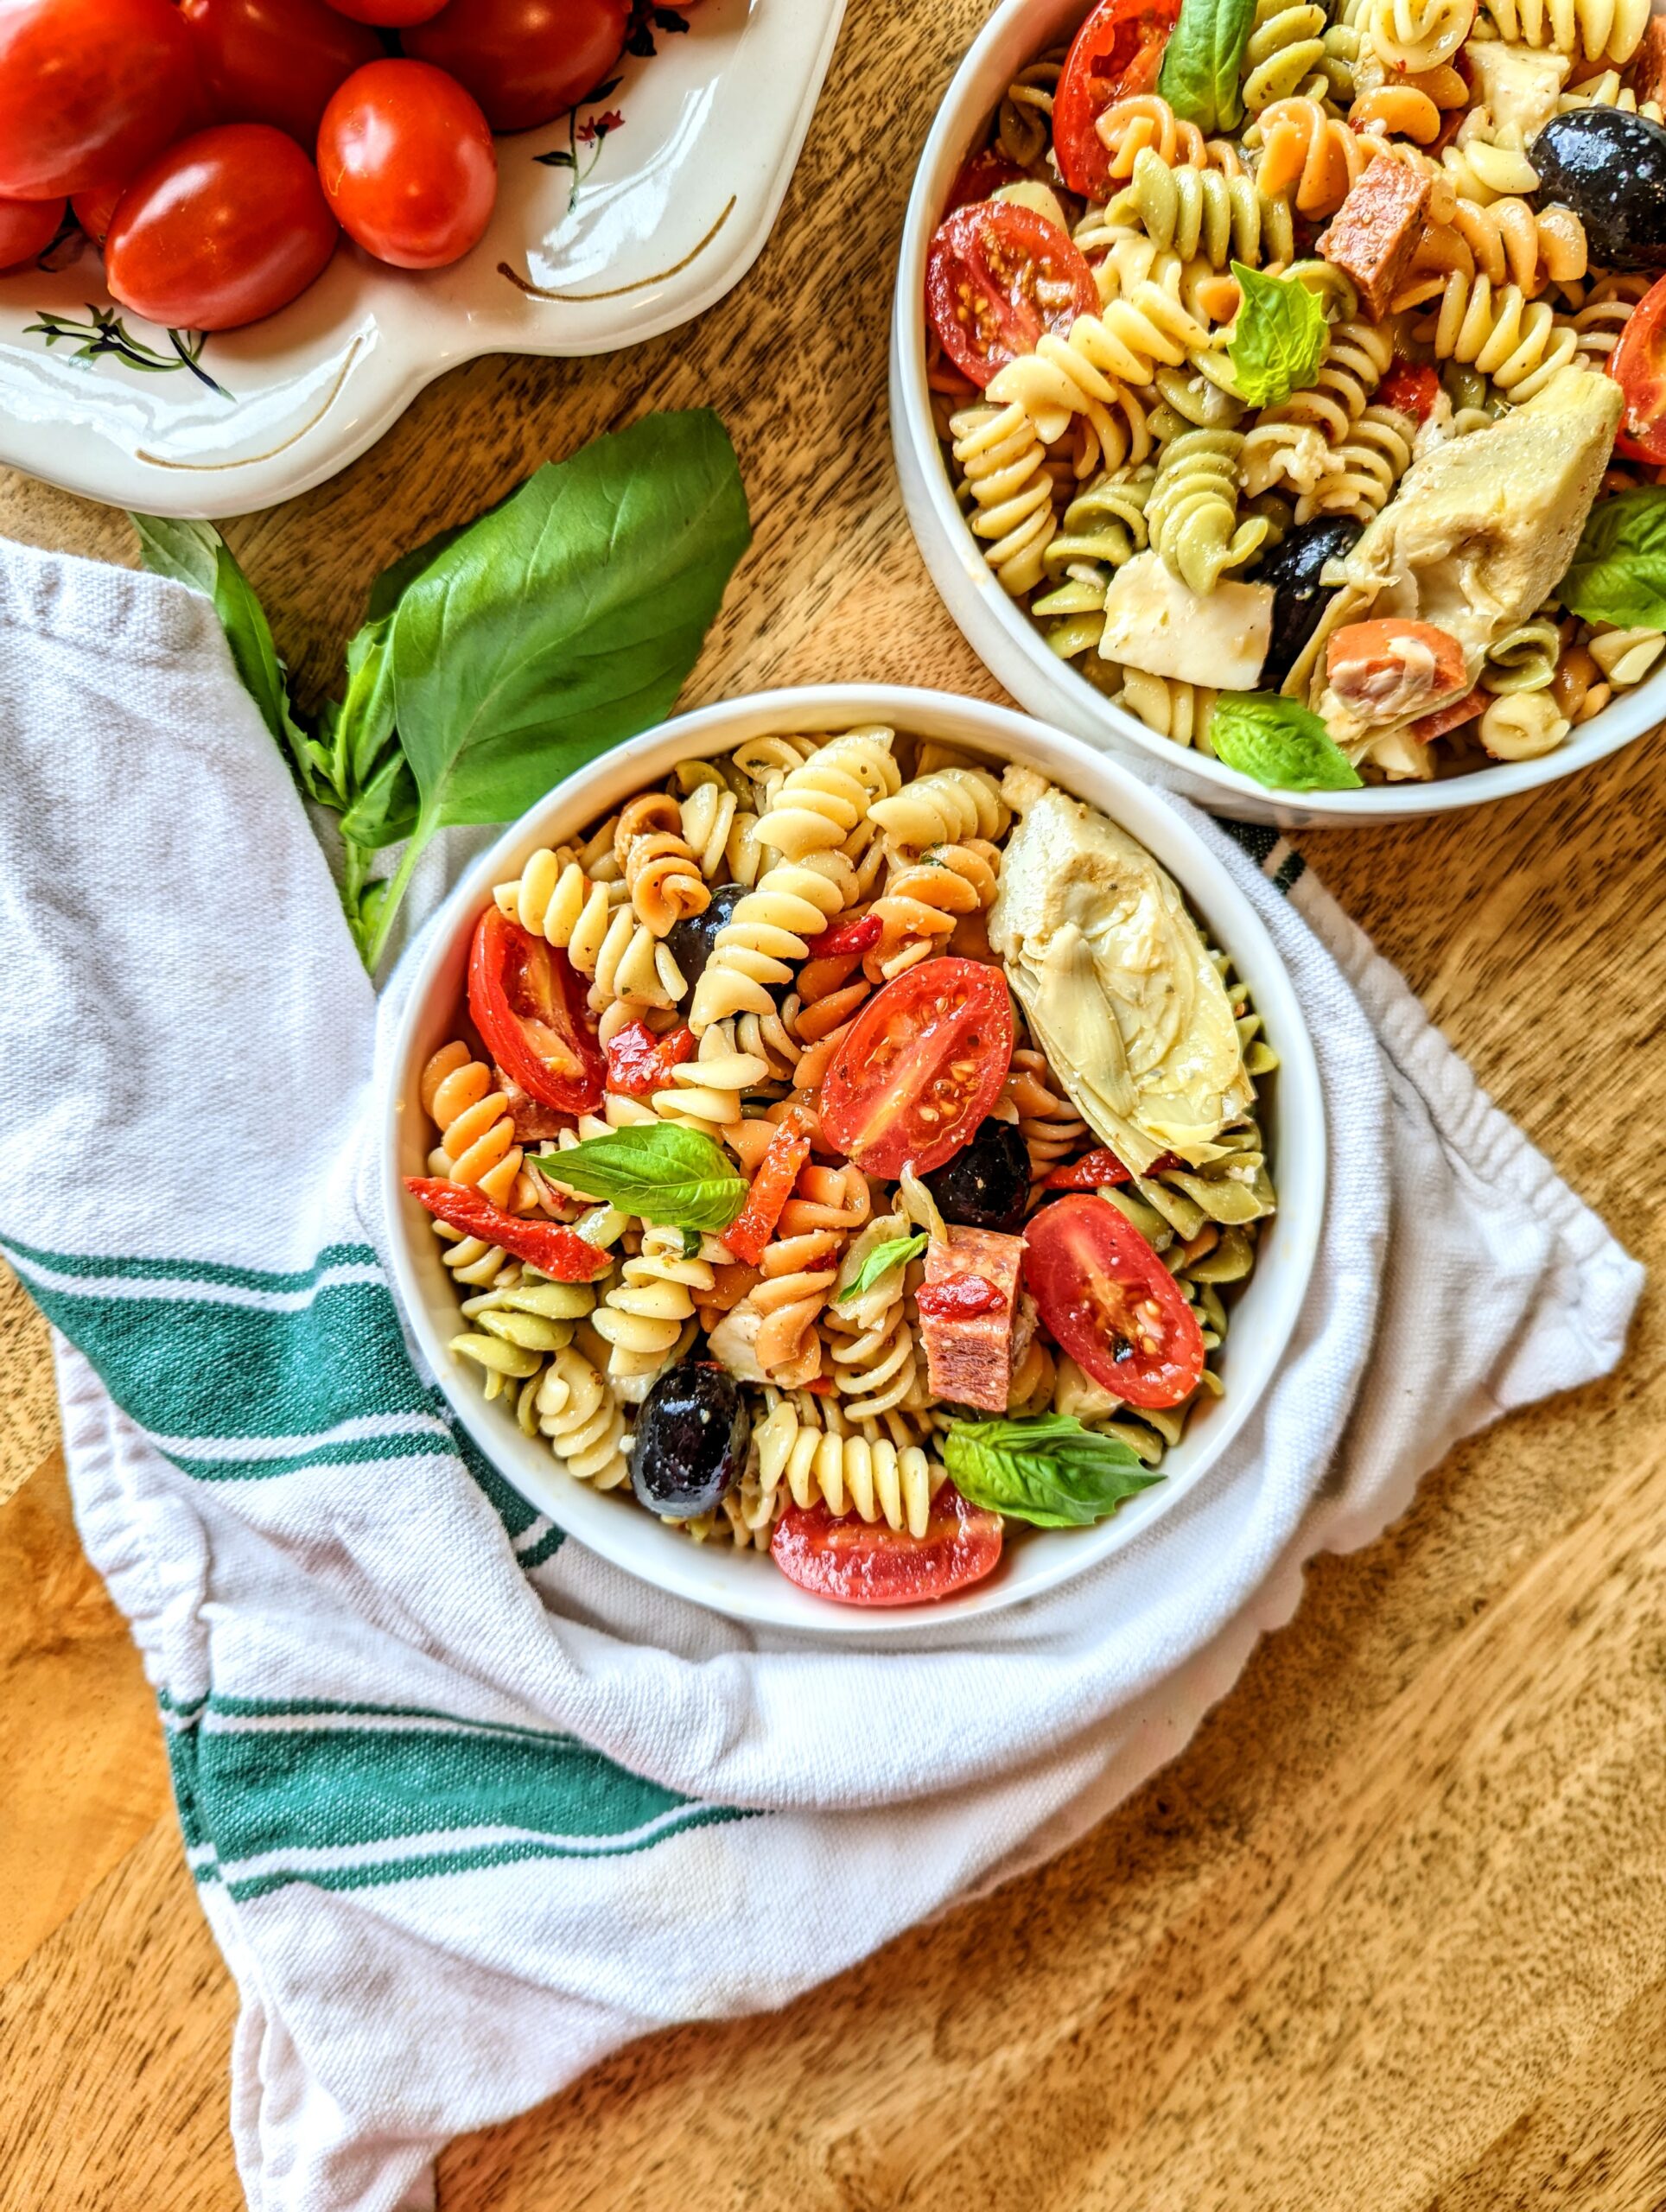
987, 1185
1610, 168
690, 942
690, 1441
1293, 568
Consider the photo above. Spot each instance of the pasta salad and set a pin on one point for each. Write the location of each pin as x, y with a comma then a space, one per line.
850, 1152
1300, 368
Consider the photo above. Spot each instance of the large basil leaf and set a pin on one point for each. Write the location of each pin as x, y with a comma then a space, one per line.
1046, 1469
665, 1174
1619, 573
567, 619
1203, 62
1279, 339
1280, 743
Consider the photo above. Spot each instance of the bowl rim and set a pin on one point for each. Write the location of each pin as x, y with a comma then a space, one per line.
1003, 636
742, 1586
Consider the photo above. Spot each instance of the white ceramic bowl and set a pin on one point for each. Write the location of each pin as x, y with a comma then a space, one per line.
1002, 634
746, 1584
674, 211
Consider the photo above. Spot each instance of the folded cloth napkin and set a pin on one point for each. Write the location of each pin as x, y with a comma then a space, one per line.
468, 1806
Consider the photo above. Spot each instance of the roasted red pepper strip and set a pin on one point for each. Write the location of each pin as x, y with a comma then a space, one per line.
639, 1063
1100, 1170
771, 1186
959, 1300
860, 936
560, 1253
1411, 386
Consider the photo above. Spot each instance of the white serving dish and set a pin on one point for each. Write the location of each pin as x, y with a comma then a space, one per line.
747, 1585
1002, 634
675, 212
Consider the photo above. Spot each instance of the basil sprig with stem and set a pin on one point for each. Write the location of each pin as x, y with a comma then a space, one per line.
1045, 1468
497, 658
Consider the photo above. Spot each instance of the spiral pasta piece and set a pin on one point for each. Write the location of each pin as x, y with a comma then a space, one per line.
1050, 1126
1285, 53
1524, 658
941, 808
1313, 154
818, 806
1192, 512
661, 871
925, 900
477, 1137
1123, 344
1191, 211
581, 1417
863, 1473
1601, 30
708, 1090
1422, 34
1174, 709
770, 929
1523, 725
1519, 345
1128, 126
631, 972
1003, 465
1607, 91
646, 1319
1362, 473
798, 1274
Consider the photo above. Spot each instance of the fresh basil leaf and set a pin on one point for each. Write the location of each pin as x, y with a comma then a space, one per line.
194, 554
895, 1252
675, 1177
1203, 62
1280, 338
364, 729
1046, 1469
1619, 573
384, 812
567, 620
1280, 743
690, 1243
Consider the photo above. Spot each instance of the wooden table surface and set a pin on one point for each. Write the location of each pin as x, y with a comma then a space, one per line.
1391, 1934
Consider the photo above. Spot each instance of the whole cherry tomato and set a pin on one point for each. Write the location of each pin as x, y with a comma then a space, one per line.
393, 15
27, 227
407, 160
95, 209
89, 89
224, 228
275, 61
524, 60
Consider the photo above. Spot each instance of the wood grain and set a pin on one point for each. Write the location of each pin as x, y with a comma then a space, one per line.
1392, 1932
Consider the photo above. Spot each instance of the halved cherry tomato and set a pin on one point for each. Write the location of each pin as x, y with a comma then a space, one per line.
526, 1000
857, 1562
919, 1067
846, 937
639, 1063
1116, 53
27, 227
276, 61
550, 1246
771, 1186
997, 276
525, 62
222, 229
1111, 1302
981, 176
1637, 365
1411, 387
408, 164
89, 89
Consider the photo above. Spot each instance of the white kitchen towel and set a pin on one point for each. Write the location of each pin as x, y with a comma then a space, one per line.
469, 1807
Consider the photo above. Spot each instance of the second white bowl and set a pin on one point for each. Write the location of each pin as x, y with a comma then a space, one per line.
1001, 634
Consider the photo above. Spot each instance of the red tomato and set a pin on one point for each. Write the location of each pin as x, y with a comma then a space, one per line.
845, 938
220, 230
26, 228
919, 1067
981, 176
857, 1562
88, 90
1111, 1303
275, 61
1412, 387
526, 1002
997, 277
408, 163
639, 1063
554, 1249
1116, 53
1637, 365
394, 14
95, 209
525, 62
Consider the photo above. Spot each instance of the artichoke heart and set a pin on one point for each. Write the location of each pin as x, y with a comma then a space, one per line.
1117, 986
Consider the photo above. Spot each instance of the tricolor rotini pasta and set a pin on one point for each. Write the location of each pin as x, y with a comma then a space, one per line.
1285, 353
800, 1286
